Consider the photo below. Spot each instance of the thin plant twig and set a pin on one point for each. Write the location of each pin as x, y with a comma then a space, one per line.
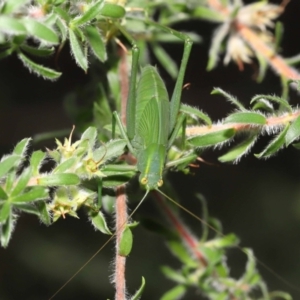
120, 263
121, 204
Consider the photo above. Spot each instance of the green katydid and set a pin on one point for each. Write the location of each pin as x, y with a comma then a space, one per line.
153, 121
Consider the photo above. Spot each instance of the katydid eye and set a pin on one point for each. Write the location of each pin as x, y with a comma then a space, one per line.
144, 180
160, 183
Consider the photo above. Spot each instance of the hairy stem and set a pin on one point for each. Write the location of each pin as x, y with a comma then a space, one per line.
121, 204
121, 219
272, 122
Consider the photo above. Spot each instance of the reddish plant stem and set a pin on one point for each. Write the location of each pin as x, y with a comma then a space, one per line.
120, 263
189, 240
271, 121
121, 204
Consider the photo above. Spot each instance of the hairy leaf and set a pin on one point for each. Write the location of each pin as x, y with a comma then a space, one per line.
99, 222
196, 112
39, 69
230, 98
239, 150
77, 51
59, 179
40, 31
212, 139
246, 118
11, 25
293, 132
274, 145
96, 42
125, 243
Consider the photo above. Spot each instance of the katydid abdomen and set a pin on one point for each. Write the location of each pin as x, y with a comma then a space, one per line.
152, 116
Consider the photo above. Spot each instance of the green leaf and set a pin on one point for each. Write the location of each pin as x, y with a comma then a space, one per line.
164, 58
22, 182
110, 150
11, 6
89, 15
77, 51
5, 211
275, 99
40, 31
40, 70
21, 147
6, 231
230, 98
62, 13
214, 50
10, 180
36, 161
263, 67
111, 10
11, 25
99, 222
246, 118
6, 52
280, 295
66, 165
41, 52
139, 292
278, 35
212, 139
28, 208
294, 60
36, 193
293, 132
125, 243
195, 112
63, 29
96, 42
44, 214
239, 150
213, 256
229, 240
179, 250
3, 195
250, 267
117, 175
90, 135
8, 163
175, 293
59, 179
172, 274
208, 14
296, 146
274, 145
263, 104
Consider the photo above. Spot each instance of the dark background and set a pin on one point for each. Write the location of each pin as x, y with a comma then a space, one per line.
257, 200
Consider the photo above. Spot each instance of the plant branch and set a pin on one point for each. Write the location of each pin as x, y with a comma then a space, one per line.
189, 240
258, 41
121, 204
121, 219
271, 122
